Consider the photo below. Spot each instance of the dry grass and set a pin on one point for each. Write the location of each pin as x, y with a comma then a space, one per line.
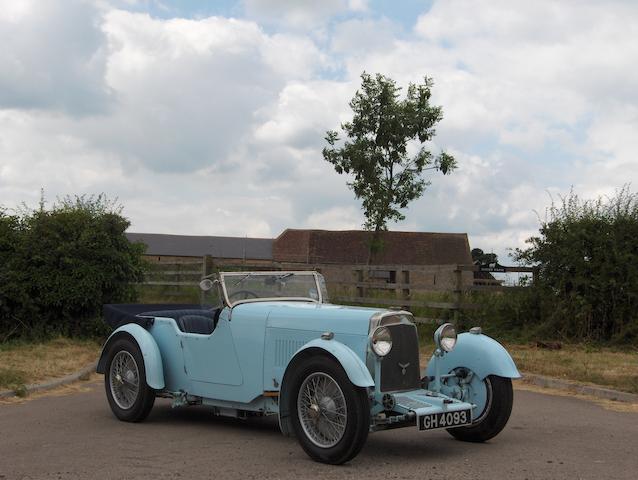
612, 368
31, 363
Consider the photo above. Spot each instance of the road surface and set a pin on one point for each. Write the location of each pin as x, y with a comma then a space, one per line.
76, 437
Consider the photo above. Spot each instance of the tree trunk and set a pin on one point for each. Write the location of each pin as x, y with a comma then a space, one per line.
375, 245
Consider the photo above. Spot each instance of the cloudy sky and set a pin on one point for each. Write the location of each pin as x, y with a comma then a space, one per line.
208, 117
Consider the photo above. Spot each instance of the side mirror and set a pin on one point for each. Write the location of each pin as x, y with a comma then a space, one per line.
206, 284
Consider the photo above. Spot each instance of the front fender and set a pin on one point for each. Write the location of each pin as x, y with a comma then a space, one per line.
354, 367
480, 353
148, 347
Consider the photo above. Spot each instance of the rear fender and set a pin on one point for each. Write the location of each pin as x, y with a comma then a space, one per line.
148, 347
480, 353
354, 367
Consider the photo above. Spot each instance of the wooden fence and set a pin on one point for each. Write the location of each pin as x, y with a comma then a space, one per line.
405, 290
394, 294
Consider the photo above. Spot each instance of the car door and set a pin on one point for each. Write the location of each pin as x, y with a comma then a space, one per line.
212, 359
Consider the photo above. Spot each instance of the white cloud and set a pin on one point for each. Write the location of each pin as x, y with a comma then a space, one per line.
34, 155
359, 35
176, 145
192, 86
297, 14
540, 58
52, 56
611, 148
358, 5
13, 12
338, 218
304, 111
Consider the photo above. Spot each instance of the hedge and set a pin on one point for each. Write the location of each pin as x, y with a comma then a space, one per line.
59, 265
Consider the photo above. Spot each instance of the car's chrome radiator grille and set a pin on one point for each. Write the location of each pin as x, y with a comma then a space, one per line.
400, 367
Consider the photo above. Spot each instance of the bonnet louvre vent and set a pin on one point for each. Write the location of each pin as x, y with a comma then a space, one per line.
285, 349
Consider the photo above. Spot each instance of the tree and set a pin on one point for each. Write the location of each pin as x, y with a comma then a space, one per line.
483, 258
383, 128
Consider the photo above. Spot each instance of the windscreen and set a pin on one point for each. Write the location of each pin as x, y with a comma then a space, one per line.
269, 285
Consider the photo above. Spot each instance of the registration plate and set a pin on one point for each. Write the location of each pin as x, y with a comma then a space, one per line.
445, 420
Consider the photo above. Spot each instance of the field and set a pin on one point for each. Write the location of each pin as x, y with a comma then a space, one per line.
25, 363
615, 368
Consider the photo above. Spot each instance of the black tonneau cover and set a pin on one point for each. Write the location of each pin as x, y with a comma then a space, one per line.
119, 314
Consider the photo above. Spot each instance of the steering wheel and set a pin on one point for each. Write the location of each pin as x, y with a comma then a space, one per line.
246, 294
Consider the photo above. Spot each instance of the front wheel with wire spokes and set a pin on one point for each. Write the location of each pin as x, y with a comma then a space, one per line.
322, 410
331, 416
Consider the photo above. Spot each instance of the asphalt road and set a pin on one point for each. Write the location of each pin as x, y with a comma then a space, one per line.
76, 436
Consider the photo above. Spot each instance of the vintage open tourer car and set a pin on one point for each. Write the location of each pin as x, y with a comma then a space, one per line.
273, 345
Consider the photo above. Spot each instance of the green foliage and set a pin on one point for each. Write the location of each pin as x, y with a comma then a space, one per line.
587, 258
386, 177
511, 315
483, 258
168, 294
58, 266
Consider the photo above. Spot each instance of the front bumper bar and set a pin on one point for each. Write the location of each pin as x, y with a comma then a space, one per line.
408, 406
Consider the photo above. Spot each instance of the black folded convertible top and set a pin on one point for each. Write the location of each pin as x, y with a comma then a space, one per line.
121, 313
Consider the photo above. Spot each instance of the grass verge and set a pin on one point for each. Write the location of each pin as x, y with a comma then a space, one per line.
613, 368
25, 363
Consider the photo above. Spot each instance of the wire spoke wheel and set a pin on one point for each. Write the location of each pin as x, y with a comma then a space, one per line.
124, 380
329, 415
130, 397
494, 397
322, 410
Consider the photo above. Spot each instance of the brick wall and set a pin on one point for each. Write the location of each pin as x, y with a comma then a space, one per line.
352, 247
292, 246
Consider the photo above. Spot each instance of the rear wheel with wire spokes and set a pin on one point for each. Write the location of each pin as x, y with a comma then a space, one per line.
129, 397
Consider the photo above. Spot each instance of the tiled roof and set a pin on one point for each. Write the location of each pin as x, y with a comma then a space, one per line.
198, 246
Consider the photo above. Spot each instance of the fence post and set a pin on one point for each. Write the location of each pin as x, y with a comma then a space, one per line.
458, 293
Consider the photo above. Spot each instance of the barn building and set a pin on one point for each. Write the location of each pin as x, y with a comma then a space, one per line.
407, 261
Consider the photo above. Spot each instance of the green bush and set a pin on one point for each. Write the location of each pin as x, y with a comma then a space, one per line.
587, 281
512, 315
58, 266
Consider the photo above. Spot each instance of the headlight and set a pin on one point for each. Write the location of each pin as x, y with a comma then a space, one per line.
381, 341
445, 337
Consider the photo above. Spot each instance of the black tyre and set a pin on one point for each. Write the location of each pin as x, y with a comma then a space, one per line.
130, 398
494, 416
330, 416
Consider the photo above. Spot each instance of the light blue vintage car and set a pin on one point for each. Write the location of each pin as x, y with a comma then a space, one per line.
275, 346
